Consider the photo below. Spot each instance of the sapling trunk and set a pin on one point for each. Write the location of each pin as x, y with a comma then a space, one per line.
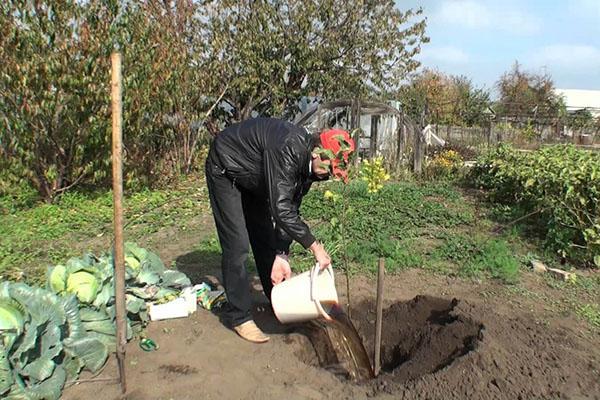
379, 316
344, 258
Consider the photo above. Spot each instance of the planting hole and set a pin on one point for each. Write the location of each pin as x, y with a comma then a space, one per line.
420, 337
424, 335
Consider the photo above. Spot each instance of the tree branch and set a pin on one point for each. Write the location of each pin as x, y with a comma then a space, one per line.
197, 136
500, 228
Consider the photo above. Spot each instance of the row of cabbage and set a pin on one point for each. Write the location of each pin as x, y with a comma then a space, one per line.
49, 335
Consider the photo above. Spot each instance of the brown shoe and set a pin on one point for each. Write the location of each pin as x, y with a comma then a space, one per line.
252, 333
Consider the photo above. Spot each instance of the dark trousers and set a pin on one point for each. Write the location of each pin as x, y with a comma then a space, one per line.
241, 218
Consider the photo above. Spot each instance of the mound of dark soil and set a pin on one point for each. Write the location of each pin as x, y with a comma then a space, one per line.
423, 336
449, 349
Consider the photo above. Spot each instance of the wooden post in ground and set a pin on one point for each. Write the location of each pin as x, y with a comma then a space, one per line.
119, 256
374, 139
400, 142
377, 355
419, 152
355, 126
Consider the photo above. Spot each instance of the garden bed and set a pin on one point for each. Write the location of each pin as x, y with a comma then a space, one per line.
521, 334
503, 346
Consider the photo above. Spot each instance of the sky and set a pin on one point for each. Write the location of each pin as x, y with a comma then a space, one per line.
482, 39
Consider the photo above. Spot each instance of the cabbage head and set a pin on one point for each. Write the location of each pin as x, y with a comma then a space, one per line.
12, 321
56, 278
83, 284
132, 262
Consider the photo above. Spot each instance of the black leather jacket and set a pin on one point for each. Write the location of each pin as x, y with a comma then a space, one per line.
270, 158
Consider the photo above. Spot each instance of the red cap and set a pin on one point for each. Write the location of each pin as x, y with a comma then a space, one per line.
341, 145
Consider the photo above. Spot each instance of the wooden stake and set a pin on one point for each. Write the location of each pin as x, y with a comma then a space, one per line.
419, 152
119, 256
420, 146
377, 355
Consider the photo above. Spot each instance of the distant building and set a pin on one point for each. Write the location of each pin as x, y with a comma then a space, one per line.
576, 99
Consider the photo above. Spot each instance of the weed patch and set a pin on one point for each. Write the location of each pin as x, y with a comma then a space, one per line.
590, 313
32, 238
495, 258
411, 225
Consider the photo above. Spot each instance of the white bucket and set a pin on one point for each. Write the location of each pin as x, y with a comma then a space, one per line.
299, 298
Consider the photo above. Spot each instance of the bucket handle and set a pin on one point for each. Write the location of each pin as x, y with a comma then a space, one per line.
313, 286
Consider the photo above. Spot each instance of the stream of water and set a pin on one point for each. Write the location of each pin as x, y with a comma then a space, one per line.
339, 346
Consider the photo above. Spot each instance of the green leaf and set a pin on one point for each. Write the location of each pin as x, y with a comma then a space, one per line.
110, 341
104, 268
26, 343
18, 393
148, 277
134, 304
75, 265
111, 311
51, 388
105, 295
57, 277
132, 262
106, 326
50, 341
84, 284
153, 263
72, 317
91, 351
324, 153
144, 316
6, 377
12, 321
72, 365
597, 260
88, 315
130, 275
172, 278
128, 330
41, 304
147, 293
40, 369
4, 292
133, 249
137, 328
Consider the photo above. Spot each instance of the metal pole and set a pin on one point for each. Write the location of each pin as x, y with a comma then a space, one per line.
377, 355
119, 256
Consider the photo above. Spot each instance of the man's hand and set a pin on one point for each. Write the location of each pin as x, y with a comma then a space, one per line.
320, 254
281, 270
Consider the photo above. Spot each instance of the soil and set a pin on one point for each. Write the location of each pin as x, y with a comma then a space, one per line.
443, 338
423, 336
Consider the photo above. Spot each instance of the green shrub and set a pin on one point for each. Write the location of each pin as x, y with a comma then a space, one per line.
561, 182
